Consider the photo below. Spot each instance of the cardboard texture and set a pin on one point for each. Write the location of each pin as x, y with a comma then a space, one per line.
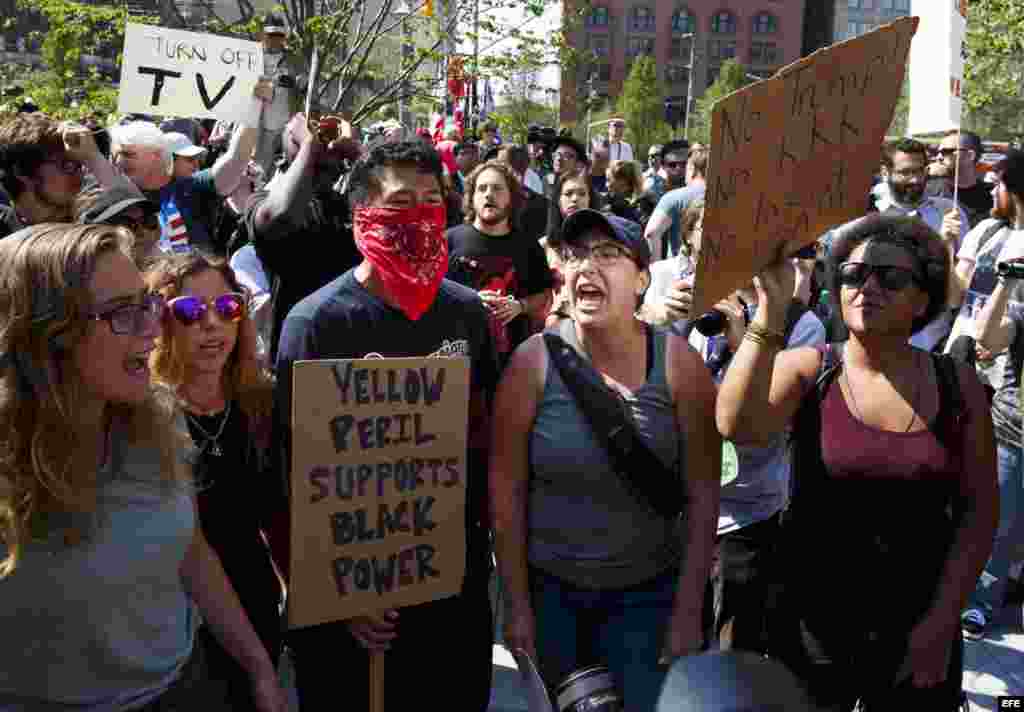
178, 73
793, 156
378, 485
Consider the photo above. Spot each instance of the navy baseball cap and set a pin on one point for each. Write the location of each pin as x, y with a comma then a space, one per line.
625, 232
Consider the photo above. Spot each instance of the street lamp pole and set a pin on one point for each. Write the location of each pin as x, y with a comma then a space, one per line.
590, 105
689, 84
403, 11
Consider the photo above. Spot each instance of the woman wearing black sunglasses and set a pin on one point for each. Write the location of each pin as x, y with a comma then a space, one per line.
894, 501
207, 356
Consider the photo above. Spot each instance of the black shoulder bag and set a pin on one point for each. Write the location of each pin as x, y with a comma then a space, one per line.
641, 470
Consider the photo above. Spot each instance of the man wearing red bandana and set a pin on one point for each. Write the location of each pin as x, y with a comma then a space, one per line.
397, 303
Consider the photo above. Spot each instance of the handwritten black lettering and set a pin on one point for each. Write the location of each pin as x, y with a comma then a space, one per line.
316, 478
207, 102
158, 81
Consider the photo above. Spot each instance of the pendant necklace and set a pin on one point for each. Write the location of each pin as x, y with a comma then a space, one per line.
211, 441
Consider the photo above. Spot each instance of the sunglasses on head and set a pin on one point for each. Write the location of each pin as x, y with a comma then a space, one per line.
890, 277
189, 310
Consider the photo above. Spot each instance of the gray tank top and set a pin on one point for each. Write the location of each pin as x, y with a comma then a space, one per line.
104, 624
584, 525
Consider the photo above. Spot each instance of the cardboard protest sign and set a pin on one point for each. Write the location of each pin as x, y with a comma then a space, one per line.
793, 156
177, 73
937, 66
378, 485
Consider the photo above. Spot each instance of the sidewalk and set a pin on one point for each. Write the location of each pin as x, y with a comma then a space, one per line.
993, 666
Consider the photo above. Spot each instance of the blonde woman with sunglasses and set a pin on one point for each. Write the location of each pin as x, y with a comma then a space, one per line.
207, 356
102, 565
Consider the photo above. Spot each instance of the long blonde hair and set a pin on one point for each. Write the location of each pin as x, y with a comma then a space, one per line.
245, 379
45, 272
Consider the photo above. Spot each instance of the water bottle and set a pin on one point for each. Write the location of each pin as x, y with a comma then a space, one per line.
824, 308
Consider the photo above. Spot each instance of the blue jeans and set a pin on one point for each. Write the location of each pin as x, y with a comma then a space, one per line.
991, 586
621, 628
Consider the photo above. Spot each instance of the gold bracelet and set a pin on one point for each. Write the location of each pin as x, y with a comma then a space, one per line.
762, 337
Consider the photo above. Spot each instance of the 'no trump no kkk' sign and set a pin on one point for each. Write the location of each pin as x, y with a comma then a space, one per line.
378, 485
177, 73
792, 156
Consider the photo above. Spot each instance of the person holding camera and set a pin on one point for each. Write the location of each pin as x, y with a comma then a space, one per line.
288, 76
997, 327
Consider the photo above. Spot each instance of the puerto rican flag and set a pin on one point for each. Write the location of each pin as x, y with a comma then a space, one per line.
174, 237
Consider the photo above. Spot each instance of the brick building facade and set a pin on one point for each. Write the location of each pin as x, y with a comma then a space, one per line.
762, 34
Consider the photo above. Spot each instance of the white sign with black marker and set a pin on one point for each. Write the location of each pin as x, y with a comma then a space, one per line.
168, 72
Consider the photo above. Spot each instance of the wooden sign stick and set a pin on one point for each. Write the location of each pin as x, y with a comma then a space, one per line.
376, 681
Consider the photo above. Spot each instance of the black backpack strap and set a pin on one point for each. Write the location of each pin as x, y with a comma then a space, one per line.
952, 407
639, 468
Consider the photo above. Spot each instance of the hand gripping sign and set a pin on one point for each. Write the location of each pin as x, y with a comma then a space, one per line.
792, 156
177, 73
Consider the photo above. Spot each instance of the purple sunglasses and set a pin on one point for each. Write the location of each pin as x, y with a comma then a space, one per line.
188, 310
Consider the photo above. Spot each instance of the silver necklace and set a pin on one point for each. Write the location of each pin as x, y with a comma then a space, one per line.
210, 441
913, 405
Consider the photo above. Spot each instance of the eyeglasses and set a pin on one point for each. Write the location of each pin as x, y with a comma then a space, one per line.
189, 310
565, 155
947, 152
149, 222
890, 277
673, 164
66, 165
132, 319
602, 255
616, 124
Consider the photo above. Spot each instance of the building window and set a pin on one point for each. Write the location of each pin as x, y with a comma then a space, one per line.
683, 21
722, 49
765, 24
598, 44
639, 45
641, 19
903, 5
723, 23
676, 74
679, 47
764, 53
867, 4
598, 17
854, 4
604, 72
713, 74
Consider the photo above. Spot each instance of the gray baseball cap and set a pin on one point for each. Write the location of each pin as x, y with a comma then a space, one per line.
112, 200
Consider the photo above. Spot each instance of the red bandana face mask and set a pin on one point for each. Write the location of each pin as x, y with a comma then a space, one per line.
408, 250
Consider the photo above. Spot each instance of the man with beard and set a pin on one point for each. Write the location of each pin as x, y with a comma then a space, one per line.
668, 215
507, 268
299, 225
396, 303
959, 157
974, 274
904, 169
989, 299
41, 166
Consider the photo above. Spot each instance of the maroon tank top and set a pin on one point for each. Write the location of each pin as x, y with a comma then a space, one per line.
852, 450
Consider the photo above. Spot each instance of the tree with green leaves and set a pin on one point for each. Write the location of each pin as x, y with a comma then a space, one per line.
731, 77
994, 68
642, 105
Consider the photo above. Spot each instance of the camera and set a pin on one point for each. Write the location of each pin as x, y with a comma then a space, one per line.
287, 81
711, 323
1010, 270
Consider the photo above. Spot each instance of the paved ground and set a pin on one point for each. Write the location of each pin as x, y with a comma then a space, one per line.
993, 666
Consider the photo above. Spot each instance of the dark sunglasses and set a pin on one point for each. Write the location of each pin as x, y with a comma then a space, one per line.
946, 152
890, 277
189, 310
673, 164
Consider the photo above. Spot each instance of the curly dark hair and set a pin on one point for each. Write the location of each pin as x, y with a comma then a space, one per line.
364, 181
515, 205
903, 145
26, 141
921, 242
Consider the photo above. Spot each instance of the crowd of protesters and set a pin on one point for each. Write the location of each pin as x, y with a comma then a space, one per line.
824, 469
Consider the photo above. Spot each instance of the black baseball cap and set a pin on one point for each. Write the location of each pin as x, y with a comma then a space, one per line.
625, 232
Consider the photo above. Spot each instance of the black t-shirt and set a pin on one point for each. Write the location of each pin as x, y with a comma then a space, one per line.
9, 222
533, 217
976, 200
345, 321
513, 264
299, 259
232, 530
